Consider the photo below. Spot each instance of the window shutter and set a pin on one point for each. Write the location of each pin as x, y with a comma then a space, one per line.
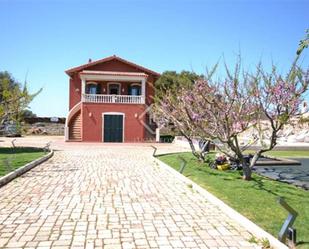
98, 89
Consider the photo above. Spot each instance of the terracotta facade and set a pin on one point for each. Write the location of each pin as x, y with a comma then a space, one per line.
90, 126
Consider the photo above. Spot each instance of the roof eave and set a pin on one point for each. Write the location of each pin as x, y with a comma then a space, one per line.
76, 69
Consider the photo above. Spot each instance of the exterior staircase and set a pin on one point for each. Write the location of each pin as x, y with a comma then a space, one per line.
75, 127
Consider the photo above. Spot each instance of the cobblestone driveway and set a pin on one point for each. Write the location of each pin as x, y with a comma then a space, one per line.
110, 197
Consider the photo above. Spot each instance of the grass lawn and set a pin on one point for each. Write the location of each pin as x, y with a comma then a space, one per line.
256, 199
17, 157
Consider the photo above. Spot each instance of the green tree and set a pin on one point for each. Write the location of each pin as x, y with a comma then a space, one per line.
28, 114
14, 98
172, 81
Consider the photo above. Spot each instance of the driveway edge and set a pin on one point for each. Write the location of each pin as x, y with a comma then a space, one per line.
242, 220
18, 172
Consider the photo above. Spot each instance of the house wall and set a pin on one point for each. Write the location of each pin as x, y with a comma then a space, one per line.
75, 90
134, 130
114, 65
150, 90
92, 124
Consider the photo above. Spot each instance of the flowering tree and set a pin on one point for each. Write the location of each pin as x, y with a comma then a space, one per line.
223, 110
304, 43
168, 112
279, 100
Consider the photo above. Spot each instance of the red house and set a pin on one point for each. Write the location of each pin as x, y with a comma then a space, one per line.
109, 100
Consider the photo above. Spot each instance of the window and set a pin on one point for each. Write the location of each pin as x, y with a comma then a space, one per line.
92, 88
114, 88
135, 90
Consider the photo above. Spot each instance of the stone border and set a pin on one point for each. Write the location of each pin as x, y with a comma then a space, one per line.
242, 220
18, 172
277, 161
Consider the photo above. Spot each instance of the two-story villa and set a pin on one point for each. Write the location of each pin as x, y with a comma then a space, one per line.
109, 100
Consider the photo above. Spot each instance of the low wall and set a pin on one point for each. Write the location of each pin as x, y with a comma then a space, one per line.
43, 120
44, 128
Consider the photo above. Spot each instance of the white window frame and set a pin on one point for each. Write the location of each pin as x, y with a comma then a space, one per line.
91, 83
123, 123
137, 84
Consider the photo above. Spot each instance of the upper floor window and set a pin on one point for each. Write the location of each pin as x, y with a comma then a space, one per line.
135, 89
114, 88
92, 88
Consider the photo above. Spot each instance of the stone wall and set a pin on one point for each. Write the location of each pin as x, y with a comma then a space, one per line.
44, 128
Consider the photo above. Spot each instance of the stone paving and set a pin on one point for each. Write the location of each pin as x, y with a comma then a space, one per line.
110, 197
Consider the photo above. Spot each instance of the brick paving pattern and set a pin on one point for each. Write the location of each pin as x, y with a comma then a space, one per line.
110, 197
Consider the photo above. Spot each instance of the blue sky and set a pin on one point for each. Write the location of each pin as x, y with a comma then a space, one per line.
41, 39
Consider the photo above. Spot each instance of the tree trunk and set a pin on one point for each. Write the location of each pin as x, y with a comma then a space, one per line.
198, 154
246, 171
191, 146
254, 159
201, 157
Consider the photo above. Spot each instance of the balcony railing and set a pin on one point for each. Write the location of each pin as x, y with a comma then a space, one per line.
119, 99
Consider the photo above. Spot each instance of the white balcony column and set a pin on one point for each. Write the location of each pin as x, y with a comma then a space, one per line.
143, 90
157, 135
83, 89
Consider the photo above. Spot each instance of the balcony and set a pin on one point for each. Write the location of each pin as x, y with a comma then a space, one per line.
110, 99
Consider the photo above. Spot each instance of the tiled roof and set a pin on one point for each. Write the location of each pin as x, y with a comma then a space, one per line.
113, 73
114, 57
